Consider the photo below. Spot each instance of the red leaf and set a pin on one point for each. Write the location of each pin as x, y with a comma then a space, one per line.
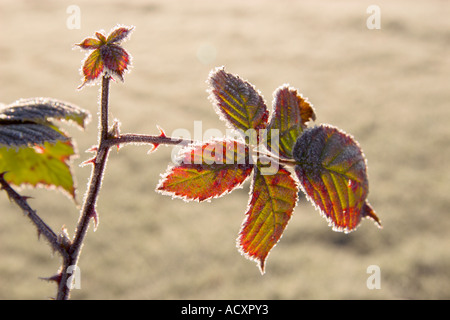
115, 59
119, 34
237, 101
100, 37
332, 171
93, 66
273, 198
290, 115
207, 171
108, 56
89, 43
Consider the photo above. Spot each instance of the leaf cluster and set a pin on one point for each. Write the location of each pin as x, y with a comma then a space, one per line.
329, 165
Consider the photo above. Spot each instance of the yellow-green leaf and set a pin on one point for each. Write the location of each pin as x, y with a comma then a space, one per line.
40, 166
273, 198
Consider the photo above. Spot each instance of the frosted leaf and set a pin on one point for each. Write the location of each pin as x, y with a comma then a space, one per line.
40, 110
27, 121
27, 134
332, 172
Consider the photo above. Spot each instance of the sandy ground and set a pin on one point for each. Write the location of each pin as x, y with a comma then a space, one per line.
388, 87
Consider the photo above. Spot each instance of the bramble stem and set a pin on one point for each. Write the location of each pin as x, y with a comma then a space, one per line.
162, 139
88, 211
99, 163
42, 227
104, 108
142, 138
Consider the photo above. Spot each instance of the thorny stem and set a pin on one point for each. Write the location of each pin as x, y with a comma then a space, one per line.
162, 139
142, 138
88, 210
99, 163
42, 227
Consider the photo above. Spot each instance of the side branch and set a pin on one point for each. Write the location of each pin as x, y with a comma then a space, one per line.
142, 138
41, 226
164, 140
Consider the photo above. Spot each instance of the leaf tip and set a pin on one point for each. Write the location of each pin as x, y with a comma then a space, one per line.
262, 265
88, 162
260, 260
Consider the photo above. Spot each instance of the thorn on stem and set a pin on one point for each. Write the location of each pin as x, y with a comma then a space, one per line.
25, 198
2, 175
94, 216
56, 278
114, 132
63, 238
92, 149
90, 161
161, 135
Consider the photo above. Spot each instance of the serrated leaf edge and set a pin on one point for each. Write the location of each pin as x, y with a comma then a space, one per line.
47, 186
33, 101
261, 263
169, 170
214, 102
329, 220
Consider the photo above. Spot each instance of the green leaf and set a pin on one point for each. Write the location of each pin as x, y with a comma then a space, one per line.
333, 173
273, 198
33, 151
290, 115
237, 101
47, 165
207, 171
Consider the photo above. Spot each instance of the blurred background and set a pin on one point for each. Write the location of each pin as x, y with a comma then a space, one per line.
388, 87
